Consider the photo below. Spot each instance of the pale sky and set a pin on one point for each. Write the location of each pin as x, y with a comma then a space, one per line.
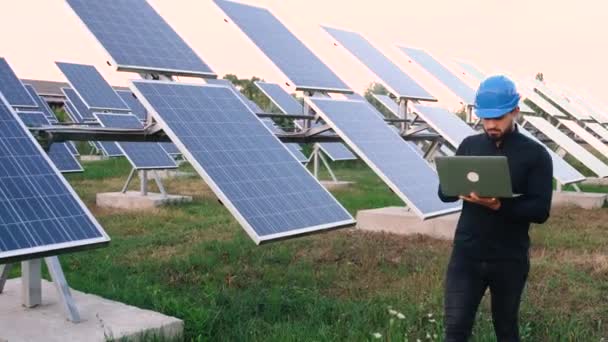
563, 39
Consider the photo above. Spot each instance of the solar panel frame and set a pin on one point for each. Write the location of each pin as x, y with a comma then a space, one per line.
41, 103
598, 129
446, 208
336, 151
288, 105
80, 108
110, 149
149, 32
12, 88
545, 105
296, 151
216, 188
302, 67
42, 250
134, 151
586, 136
442, 74
400, 84
170, 148
574, 149
92, 88
134, 105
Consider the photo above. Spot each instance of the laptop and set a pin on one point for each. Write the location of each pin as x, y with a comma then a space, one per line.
487, 176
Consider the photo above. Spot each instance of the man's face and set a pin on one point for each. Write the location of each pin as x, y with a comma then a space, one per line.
497, 128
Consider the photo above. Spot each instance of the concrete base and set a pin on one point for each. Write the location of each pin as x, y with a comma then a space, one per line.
103, 319
596, 181
584, 200
399, 220
133, 200
337, 185
164, 174
92, 158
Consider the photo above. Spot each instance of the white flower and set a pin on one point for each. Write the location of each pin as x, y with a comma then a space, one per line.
400, 315
392, 312
428, 336
377, 335
429, 315
432, 320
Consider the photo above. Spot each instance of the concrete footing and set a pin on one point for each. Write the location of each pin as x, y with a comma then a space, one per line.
399, 220
584, 200
103, 319
596, 181
92, 158
337, 185
134, 200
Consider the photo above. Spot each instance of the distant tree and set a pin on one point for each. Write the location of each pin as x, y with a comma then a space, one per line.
540, 76
248, 88
379, 89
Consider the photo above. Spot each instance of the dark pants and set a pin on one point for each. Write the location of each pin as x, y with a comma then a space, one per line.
466, 283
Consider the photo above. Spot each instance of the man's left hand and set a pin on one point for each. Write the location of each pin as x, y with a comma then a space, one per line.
488, 202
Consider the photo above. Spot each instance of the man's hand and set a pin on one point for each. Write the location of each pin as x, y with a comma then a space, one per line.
492, 203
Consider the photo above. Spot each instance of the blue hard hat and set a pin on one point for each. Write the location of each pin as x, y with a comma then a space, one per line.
496, 96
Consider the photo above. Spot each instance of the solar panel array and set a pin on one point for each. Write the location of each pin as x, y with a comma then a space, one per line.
400, 84
138, 39
570, 146
289, 54
442, 74
142, 155
269, 192
596, 114
59, 153
289, 105
599, 130
12, 88
560, 101
39, 213
447, 124
473, 71
92, 88
586, 136
133, 103
396, 162
226, 83
79, 109
388, 103
41, 104
545, 105
295, 149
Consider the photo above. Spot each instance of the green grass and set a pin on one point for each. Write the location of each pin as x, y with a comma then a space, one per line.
194, 262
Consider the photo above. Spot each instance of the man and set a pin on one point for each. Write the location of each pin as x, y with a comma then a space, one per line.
491, 242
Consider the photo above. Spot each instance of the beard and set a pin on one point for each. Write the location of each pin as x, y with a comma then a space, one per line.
498, 135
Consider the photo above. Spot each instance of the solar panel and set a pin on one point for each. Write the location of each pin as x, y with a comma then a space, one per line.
287, 52
599, 130
289, 105
170, 148
295, 149
41, 104
138, 39
226, 83
560, 101
473, 71
80, 110
574, 149
71, 111
442, 74
110, 149
136, 107
388, 103
12, 88
72, 148
396, 162
593, 112
59, 153
545, 105
562, 171
286, 103
447, 124
142, 155
40, 214
399, 83
268, 191
94, 91
586, 136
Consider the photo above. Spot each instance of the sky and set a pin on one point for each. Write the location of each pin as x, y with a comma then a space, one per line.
563, 39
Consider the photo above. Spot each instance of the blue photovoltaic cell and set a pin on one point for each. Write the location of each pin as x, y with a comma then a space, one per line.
110, 149
59, 153
396, 162
280, 98
72, 148
81, 110
142, 155
287, 52
170, 148
294, 148
72, 112
400, 83
41, 104
12, 88
226, 83
289, 105
473, 71
136, 107
446, 123
137, 38
442, 74
39, 213
92, 88
268, 191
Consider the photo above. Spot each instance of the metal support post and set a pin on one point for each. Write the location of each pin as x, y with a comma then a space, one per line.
403, 114
143, 179
63, 290
31, 283
315, 164
159, 183
331, 172
129, 179
4, 271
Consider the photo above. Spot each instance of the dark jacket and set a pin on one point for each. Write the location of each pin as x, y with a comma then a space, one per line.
485, 234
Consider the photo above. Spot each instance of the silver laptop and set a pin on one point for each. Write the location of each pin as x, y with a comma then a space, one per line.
487, 176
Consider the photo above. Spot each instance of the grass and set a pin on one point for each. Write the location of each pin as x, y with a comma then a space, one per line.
194, 262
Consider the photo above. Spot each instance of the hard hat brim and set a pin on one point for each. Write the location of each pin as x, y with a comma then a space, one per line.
492, 113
